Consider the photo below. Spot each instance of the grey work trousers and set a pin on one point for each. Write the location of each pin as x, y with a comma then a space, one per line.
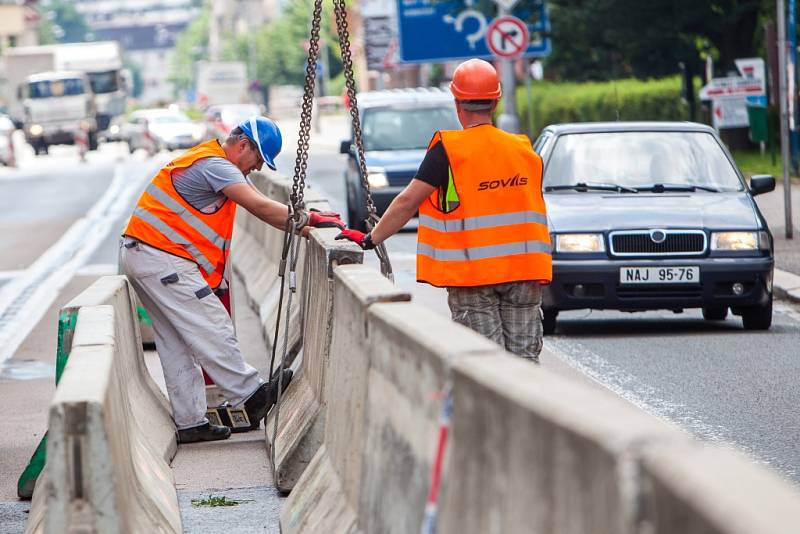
192, 329
509, 314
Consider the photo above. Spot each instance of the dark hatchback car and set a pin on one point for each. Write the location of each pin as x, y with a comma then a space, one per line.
396, 127
649, 215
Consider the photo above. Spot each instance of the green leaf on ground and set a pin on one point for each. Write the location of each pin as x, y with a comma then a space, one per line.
218, 500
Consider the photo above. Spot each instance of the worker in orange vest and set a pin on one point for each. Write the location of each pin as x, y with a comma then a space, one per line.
482, 222
175, 252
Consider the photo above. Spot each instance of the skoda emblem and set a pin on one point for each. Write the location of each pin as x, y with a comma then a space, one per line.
658, 236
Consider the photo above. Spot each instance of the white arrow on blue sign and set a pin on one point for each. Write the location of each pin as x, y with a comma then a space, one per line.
456, 29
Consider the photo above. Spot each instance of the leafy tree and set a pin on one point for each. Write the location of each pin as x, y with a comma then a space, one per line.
281, 54
62, 23
605, 39
190, 47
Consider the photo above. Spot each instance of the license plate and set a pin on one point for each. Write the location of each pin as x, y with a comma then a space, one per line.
659, 275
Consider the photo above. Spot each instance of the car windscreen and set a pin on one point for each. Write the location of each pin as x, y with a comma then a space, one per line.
169, 118
392, 128
641, 160
55, 88
238, 114
104, 82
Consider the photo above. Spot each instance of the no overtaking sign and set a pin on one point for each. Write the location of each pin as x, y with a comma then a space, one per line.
507, 37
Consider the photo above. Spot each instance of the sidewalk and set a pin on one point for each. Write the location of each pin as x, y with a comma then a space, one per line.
787, 251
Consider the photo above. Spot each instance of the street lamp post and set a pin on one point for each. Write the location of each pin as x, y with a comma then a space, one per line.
508, 120
787, 184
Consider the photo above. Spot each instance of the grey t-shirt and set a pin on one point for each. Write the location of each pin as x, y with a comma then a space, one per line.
201, 184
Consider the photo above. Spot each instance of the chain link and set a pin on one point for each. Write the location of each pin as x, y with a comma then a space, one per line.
301, 162
347, 63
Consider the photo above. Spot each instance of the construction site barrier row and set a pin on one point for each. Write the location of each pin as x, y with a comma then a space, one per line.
110, 433
527, 450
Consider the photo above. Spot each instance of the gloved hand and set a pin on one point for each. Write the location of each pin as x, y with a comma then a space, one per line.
325, 219
359, 238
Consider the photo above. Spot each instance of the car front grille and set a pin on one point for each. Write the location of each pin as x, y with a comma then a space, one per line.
399, 179
658, 243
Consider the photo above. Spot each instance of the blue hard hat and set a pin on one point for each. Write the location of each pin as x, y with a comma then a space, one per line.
266, 135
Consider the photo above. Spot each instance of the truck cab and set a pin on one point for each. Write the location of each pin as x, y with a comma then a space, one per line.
56, 105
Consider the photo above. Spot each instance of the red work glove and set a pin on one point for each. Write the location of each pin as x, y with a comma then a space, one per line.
325, 219
359, 238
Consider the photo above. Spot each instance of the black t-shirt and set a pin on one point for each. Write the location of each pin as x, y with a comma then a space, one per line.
434, 169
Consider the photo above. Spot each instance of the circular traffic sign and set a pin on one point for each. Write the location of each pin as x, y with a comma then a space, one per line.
507, 37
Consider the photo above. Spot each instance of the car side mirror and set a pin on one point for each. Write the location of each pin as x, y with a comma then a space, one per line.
344, 148
761, 183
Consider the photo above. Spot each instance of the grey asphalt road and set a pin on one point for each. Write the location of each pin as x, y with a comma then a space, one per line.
712, 379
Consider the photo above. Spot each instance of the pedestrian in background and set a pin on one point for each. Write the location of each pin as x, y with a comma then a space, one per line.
175, 253
482, 222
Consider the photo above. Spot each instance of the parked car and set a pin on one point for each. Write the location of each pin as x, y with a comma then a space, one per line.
160, 129
6, 142
222, 118
396, 127
649, 215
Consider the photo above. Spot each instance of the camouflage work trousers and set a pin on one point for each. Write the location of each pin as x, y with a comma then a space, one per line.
509, 314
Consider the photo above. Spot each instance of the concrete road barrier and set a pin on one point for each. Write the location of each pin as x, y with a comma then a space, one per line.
534, 452
412, 350
154, 409
326, 496
301, 419
110, 436
256, 253
700, 489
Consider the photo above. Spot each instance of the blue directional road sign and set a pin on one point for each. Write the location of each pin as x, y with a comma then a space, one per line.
444, 30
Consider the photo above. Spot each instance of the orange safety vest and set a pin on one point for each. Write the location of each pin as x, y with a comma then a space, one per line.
164, 220
488, 225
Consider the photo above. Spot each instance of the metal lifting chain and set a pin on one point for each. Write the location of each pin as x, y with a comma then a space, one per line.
347, 63
301, 162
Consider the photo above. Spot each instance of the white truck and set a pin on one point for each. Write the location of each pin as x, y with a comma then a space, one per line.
221, 82
101, 64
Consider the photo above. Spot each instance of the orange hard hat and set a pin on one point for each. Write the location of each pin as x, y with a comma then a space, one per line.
475, 79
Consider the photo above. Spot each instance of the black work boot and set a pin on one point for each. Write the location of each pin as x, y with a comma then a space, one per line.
265, 396
206, 432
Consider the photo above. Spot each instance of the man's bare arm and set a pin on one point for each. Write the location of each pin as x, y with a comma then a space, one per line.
402, 208
271, 212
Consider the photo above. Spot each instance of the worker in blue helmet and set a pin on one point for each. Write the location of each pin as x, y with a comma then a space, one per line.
174, 252
266, 136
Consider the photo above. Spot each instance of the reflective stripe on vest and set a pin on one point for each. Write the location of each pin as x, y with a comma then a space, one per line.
175, 237
482, 253
188, 217
484, 221
488, 225
164, 219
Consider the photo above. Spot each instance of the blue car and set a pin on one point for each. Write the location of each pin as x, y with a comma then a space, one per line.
653, 215
396, 127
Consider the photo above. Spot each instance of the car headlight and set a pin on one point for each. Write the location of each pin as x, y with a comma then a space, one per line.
580, 243
377, 177
114, 129
736, 241
36, 129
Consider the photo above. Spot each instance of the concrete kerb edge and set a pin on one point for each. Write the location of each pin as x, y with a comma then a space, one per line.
786, 286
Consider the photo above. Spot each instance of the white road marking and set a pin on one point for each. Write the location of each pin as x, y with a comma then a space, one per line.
98, 269
647, 398
25, 299
9, 275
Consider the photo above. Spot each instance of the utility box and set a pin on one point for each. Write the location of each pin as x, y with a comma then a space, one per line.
759, 125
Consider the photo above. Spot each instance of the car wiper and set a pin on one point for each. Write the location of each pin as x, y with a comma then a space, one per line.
660, 188
591, 186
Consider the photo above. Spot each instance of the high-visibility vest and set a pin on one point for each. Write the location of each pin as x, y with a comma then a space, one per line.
489, 224
164, 220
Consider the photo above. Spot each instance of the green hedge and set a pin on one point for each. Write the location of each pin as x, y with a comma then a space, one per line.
601, 101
